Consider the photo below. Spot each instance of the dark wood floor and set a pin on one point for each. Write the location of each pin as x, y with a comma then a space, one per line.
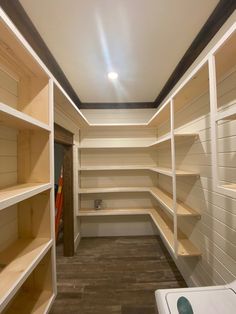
116, 275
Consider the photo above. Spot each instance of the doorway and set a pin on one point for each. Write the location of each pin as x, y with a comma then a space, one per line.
63, 144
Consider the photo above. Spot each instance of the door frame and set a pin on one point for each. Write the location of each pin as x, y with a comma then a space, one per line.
66, 138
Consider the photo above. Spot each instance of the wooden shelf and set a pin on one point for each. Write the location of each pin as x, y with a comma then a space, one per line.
161, 170
17, 193
161, 220
13, 118
105, 168
17, 262
230, 186
179, 173
113, 190
112, 212
178, 138
165, 226
166, 200
162, 140
36, 302
228, 113
127, 146
162, 196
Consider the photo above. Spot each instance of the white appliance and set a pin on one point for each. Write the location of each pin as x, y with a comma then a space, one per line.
205, 300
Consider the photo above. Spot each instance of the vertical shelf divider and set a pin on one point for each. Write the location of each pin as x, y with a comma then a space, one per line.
213, 111
172, 132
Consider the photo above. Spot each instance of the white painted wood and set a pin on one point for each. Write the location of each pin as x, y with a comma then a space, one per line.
16, 270
173, 164
13, 118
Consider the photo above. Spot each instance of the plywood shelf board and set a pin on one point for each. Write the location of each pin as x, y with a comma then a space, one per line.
17, 262
104, 168
127, 146
154, 168
36, 302
165, 225
17, 193
13, 118
113, 190
230, 186
166, 200
161, 220
163, 197
162, 140
228, 113
112, 212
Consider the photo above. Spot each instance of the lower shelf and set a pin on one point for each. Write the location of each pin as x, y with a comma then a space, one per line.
161, 220
16, 264
37, 302
230, 186
165, 226
113, 212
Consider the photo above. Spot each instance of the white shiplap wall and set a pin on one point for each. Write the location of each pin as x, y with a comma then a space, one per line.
215, 233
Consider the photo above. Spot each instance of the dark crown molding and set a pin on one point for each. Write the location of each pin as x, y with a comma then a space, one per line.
215, 21
19, 17
123, 105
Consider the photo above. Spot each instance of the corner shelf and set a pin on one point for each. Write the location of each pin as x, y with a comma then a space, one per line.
163, 197
160, 170
165, 226
17, 262
17, 193
112, 212
166, 200
161, 220
227, 114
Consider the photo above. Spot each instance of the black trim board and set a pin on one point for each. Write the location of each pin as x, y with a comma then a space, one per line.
215, 21
17, 14
127, 105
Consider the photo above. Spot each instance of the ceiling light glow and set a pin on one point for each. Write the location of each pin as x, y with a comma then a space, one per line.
112, 75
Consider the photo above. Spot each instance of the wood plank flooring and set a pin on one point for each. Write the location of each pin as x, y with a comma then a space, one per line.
115, 275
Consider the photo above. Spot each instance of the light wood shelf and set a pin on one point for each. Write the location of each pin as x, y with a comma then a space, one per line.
113, 190
162, 140
112, 212
17, 193
107, 168
167, 201
161, 170
123, 146
162, 196
228, 113
165, 226
169, 172
231, 186
36, 302
17, 262
161, 220
13, 118
26, 153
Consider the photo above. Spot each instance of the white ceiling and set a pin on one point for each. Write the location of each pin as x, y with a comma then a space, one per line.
142, 40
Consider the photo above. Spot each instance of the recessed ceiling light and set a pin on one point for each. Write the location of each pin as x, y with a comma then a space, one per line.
112, 75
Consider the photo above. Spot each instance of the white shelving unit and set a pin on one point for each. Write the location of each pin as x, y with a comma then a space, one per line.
223, 108
27, 258
124, 157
